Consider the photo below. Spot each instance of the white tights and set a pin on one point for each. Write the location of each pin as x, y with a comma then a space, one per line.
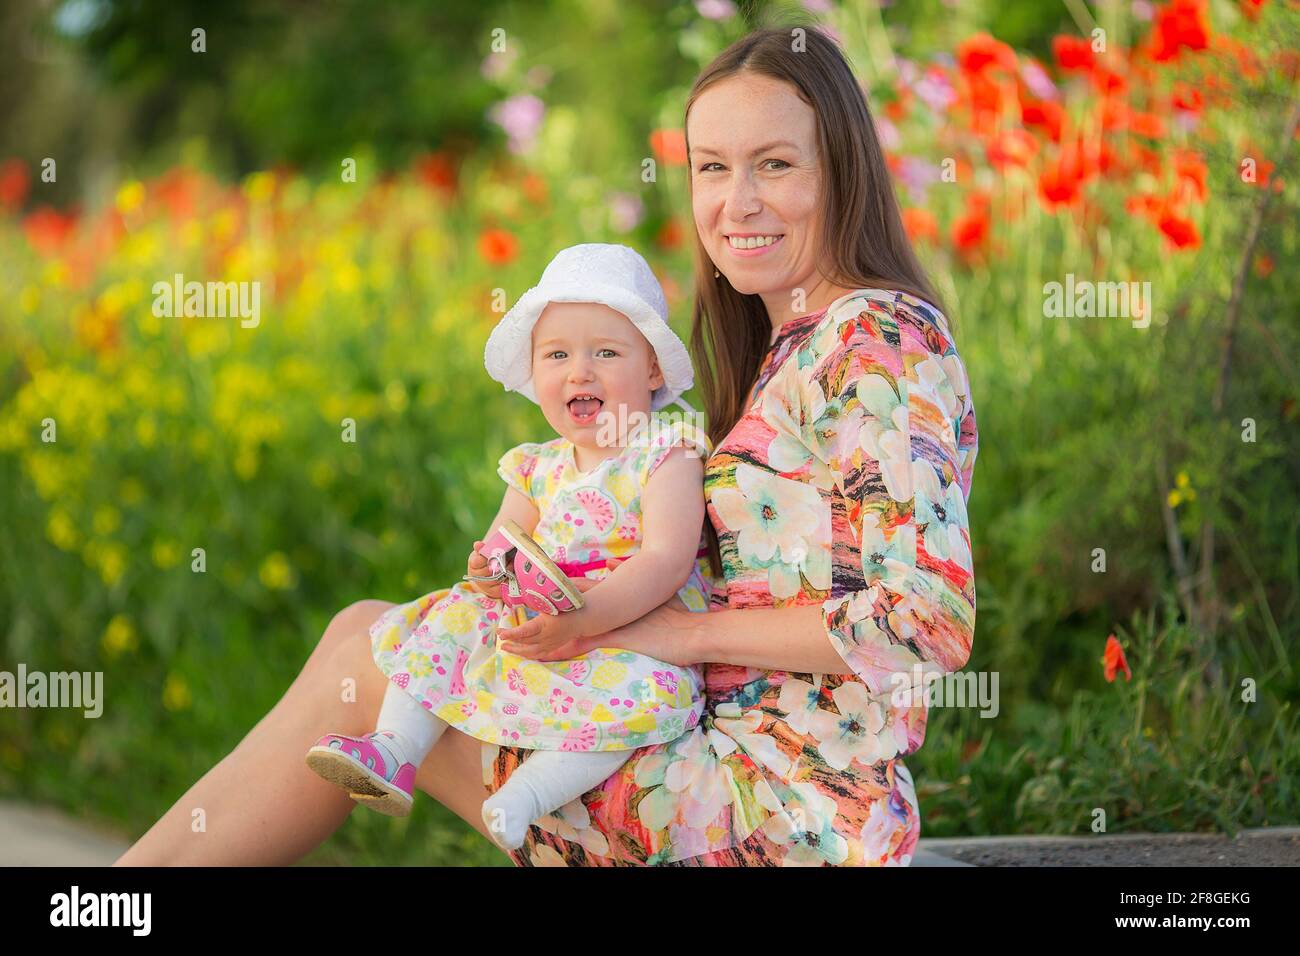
542, 784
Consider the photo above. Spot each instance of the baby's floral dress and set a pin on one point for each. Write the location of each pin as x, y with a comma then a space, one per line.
442, 649
843, 485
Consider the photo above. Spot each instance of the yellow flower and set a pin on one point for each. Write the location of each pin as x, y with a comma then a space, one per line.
322, 473
276, 573
61, 530
55, 273
107, 520
246, 462
259, 187
1174, 499
119, 637
166, 553
111, 559
347, 277
176, 693
395, 393
129, 196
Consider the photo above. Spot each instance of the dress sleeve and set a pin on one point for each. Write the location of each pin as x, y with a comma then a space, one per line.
886, 413
663, 437
516, 467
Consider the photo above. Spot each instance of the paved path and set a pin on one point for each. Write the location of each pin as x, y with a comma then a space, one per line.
36, 836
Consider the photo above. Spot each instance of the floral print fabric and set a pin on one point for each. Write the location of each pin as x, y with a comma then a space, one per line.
844, 486
442, 649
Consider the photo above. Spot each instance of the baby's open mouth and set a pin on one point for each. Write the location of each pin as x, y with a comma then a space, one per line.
584, 408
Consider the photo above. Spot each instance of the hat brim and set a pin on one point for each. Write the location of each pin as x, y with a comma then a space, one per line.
508, 354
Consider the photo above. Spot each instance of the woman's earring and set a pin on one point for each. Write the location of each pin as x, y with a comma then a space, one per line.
716, 273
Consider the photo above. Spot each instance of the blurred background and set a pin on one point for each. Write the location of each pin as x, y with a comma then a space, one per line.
1133, 482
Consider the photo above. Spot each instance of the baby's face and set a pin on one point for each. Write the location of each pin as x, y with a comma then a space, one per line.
589, 349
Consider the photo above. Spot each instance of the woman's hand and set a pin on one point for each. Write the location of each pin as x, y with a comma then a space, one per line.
546, 637
664, 634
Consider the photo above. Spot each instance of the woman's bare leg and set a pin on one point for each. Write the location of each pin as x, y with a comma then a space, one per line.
262, 806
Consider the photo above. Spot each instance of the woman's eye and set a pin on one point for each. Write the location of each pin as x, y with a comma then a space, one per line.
781, 161
704, 168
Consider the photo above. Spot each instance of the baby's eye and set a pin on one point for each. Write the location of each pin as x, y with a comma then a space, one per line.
555, 353
610, 351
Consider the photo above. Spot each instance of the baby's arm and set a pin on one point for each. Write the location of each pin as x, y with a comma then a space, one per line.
514, 506
672, 516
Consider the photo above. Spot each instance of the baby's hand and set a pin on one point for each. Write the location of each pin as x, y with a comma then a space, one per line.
478, 565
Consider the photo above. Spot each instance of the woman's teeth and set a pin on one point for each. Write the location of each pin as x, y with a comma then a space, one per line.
752, 242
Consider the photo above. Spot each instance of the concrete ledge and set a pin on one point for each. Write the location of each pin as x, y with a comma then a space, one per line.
1263, 846
37, 836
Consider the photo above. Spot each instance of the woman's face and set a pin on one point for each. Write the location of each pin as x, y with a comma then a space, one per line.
755, 173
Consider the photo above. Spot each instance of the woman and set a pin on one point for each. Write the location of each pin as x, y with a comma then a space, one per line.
845, 440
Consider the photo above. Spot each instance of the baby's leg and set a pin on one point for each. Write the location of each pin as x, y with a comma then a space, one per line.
542, 784
416, 729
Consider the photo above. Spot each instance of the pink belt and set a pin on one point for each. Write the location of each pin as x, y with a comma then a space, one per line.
575, 569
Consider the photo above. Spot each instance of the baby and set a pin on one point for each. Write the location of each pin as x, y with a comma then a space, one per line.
592, 346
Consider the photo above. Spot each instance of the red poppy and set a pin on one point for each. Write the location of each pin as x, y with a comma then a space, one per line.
534, 187
1180, 231
13, 184
1187, 98
48, 229
497, 246
1191, 172
1178, 25
1113, 660
669, 146
1060, 183
437, 171
1045, 113
1108, 82
1251, 8
981, 52
921, 225
1146, 124
1012, 147
1073, 54
670, 234
970, 230
1263, 265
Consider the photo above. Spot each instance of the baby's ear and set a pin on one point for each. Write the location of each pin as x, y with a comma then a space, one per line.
656, 376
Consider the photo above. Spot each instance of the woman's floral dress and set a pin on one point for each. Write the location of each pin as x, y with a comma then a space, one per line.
844, 485
442, 649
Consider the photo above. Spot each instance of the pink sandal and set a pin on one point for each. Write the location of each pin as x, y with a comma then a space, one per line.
531, 577
372, 769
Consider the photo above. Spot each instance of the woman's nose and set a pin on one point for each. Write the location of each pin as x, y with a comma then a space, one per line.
742, 197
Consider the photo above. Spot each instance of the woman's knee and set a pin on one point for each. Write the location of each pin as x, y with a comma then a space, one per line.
353, 621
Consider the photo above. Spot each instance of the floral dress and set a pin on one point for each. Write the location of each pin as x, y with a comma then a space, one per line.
843, 485
442, 648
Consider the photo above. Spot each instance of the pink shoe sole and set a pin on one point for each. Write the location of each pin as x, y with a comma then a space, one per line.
339, 759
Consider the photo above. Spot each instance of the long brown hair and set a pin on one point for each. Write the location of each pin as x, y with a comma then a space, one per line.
863, 242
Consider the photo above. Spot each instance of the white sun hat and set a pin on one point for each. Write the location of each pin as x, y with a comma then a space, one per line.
612, 275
